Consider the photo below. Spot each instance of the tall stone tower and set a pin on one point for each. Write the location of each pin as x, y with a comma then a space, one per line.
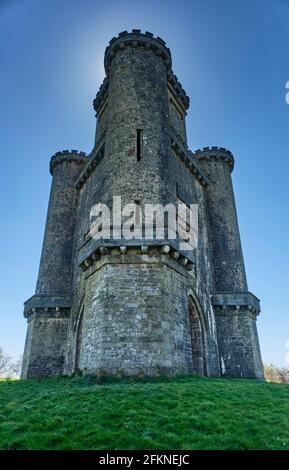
139, 305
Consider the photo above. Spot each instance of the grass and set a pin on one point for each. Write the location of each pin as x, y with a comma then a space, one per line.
184, 412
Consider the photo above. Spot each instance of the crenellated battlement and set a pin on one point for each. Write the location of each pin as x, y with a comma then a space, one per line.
136, 38
67, 155
216, 153
213, 149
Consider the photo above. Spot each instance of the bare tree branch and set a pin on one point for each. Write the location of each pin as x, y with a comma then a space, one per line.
8, 367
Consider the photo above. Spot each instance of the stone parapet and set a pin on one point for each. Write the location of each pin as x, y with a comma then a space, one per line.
67, 156
136, 38
47, 306
215, 153
240, 302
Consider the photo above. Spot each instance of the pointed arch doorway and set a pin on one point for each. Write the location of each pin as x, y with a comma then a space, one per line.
79, 330
197, 339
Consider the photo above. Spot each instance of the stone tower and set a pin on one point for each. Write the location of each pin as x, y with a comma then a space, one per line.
135, 306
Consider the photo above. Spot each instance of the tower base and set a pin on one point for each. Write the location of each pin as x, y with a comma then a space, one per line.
239, 349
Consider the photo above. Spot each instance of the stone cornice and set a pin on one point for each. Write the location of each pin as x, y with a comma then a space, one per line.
50, 306
215, 153
235, 302
67, 156
141, 249
189, 159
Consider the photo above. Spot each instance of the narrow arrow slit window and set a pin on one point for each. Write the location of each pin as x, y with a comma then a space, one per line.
138, 144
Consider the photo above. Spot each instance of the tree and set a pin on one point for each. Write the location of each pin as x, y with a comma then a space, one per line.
5, 362
284, 375
16, 367
276, 374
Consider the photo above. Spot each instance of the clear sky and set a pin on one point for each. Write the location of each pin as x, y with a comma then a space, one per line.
232, 58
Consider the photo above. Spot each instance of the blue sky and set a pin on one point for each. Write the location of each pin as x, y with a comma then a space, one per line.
232, 59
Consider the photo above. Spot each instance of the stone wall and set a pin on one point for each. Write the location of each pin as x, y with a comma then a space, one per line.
135, 318
238, 345
45, 345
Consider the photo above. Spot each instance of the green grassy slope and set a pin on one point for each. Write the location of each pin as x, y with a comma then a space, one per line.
182, 413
